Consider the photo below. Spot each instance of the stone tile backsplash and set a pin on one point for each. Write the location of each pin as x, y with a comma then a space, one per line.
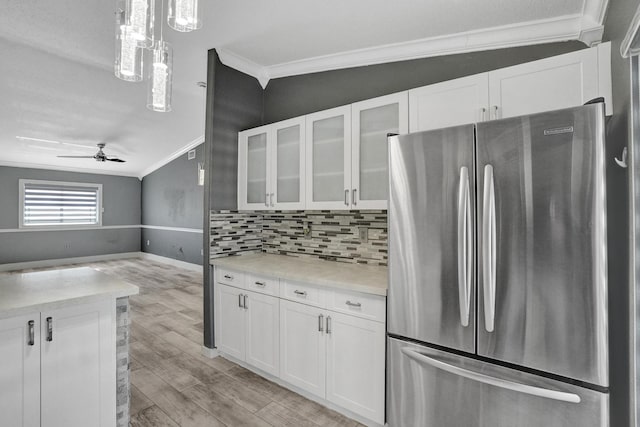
331, 235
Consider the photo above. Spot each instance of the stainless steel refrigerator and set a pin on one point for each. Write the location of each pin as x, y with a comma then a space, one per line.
497, 305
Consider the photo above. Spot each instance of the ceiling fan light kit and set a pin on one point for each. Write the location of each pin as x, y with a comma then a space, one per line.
135, 32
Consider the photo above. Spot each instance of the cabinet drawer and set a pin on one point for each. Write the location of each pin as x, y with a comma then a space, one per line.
372, 307
229, 277
305, 294
262, 285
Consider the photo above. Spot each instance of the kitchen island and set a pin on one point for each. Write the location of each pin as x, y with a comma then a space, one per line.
64, 348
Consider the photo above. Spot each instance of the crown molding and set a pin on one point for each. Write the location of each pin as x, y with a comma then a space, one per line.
67, 169
154, 167
245, 65
586, 27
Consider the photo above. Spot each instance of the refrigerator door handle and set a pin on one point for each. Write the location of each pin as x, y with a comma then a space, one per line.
489, 249
486, 379
465, 246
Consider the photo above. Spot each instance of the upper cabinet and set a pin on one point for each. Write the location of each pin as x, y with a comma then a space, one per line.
450, 103
271, 166
372, 121
337, 159
554, 83
328, 145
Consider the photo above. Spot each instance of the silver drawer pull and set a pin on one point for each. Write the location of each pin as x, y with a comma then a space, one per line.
301, 293
261, 284
32, 333
49, 329
353, 304
226, 276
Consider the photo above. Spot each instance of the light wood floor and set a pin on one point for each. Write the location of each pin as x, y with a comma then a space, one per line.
173, 384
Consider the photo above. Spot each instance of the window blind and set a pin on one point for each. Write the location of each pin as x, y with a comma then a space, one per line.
60, 204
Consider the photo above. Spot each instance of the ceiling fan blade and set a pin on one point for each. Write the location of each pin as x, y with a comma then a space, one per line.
76, 157
116, 160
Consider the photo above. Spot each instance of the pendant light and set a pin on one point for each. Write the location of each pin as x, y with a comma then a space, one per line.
129, 56
184, 15
160, 76
140, 15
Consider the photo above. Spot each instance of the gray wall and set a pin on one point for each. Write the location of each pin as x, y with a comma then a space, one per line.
298, 95
618, 19
171, 197
234, 103
121, 201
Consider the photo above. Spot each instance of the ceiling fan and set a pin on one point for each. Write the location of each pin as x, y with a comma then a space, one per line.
99, 156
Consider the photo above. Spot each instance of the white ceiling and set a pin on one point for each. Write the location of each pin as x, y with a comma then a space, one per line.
56, 63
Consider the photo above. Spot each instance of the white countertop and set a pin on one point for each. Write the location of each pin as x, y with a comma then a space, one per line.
354, 277
22, 292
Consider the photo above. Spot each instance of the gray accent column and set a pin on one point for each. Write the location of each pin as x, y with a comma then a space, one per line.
123, 381
234, 103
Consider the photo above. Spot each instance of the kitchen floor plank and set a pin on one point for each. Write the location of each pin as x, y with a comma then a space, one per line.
152, 417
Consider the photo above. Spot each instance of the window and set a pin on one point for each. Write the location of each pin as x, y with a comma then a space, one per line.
50, 204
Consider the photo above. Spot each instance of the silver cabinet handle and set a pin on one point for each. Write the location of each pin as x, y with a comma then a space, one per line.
49, 329
300, 293
465, 246
328, 324
484, 114
353, 199
346, 197
262, 284
320, 323
495, 111
271, 197
240, 300
489, 249
494, 381
353, 304
266, 199
32, 332
246, 307
226, 276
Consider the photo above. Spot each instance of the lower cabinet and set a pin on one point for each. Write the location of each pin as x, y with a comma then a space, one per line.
249, 327
58, 367
334, 356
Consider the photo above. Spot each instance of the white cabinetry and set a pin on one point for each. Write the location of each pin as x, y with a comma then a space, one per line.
271, 166
20, 370
247, 327
59, 371
554, 83
450, 103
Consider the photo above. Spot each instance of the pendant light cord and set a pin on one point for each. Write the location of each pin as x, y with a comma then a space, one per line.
161, 20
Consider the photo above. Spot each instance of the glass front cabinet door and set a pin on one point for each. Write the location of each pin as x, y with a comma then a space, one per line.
288, 165
254, 189
372, 121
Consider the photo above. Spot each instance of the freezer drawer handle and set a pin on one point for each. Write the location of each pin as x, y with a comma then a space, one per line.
489, 249
497, 382
465, 246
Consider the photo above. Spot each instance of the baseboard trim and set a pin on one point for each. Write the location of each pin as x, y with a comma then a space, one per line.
66, 261
211, 353
170, 261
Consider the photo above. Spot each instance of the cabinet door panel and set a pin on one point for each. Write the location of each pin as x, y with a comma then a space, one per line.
20, 371
355, 365
230, 338
78, 378
263, 332
452, 103
302, 347
253, 169
549, 84
288, 164
329, 159
372, 121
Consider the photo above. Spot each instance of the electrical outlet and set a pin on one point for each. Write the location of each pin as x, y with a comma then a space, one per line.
148, 242
363, 234
201, 252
